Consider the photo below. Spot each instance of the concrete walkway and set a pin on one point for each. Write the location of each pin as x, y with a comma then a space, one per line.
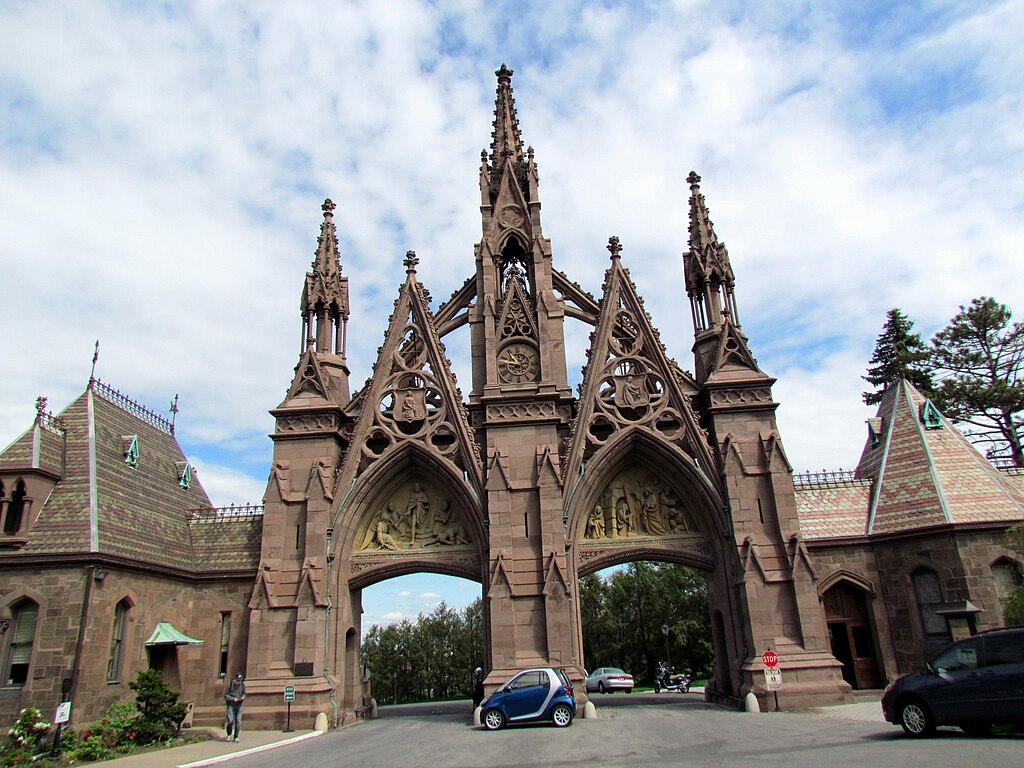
212, 751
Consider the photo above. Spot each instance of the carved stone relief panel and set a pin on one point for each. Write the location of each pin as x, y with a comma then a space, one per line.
636, 504
416, 516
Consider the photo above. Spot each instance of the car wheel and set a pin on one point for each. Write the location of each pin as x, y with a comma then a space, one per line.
493, 719
976, 729
561, 716
916, 720
600, 688
629, 690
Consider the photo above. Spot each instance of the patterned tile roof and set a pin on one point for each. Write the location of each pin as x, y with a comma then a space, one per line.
102, 504
911, 477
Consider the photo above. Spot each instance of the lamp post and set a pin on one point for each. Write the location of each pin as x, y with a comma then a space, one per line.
668, 653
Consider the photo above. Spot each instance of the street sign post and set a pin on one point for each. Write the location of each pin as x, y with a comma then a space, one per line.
289, 696
772, 674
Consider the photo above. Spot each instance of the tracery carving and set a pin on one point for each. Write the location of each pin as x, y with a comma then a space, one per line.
631, 389
416, 516
636, 504
411, 403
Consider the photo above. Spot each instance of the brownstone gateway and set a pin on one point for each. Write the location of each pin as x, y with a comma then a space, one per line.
523, 487
526, 488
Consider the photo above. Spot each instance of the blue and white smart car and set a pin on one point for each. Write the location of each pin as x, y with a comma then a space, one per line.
536, 694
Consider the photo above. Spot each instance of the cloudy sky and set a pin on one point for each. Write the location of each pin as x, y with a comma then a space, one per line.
162, 167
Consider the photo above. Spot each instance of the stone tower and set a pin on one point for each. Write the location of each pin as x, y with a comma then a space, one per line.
521, 407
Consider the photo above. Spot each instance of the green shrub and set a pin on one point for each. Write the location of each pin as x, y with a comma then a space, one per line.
30, 728
160, 711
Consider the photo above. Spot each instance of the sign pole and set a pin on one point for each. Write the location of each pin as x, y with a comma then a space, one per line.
289, 697
772, 674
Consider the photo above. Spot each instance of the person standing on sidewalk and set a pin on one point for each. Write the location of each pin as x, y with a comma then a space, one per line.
234, 695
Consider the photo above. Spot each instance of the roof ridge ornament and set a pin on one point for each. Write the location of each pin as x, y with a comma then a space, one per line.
614, 247
411, 261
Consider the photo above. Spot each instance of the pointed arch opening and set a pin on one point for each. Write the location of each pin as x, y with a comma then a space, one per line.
851, 629
409, 513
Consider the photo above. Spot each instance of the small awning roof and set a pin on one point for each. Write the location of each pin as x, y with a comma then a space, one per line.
959, 608
165, 634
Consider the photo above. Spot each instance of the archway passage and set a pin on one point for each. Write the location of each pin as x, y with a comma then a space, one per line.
851, 635
645, 612
417, 646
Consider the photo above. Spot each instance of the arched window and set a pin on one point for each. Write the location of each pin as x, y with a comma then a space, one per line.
1007, 576
21, 634
15, 509
928, 594
117, 641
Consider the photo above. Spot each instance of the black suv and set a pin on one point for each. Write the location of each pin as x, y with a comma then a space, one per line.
972, 684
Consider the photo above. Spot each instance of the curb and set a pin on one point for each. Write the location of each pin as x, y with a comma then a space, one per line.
251, 751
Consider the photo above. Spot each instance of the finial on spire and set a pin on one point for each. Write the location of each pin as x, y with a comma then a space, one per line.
174, 406
410, 262
327, 208
95, 357
614, 247
693, 180
504, 73
40, 408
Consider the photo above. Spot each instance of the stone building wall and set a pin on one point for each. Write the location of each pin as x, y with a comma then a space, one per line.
191, 606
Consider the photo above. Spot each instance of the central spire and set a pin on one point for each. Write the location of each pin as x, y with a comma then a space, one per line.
506, 141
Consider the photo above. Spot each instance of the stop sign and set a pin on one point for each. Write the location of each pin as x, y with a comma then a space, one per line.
770, 658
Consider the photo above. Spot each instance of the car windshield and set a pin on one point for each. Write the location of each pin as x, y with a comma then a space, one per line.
614, 671
957, 657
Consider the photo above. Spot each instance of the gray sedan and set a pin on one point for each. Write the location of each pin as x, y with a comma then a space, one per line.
609, 680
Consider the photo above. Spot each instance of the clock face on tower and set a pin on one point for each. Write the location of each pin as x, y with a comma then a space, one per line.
517, 363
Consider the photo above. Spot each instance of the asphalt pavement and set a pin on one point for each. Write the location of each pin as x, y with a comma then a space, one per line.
638, 729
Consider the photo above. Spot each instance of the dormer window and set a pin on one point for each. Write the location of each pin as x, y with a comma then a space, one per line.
130, 447
875, 431
184, 475
930, 416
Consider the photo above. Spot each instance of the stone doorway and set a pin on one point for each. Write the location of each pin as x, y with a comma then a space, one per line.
852, 636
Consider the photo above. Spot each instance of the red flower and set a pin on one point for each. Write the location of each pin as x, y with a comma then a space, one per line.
104, 721
87, 734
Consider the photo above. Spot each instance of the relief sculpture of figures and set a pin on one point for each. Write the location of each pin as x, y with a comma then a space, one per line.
595, 524
414, 524
418, 514
636, 503
447, 531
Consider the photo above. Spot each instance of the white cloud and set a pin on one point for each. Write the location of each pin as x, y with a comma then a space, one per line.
161, 174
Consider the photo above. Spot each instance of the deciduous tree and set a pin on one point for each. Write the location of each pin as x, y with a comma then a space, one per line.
978, 360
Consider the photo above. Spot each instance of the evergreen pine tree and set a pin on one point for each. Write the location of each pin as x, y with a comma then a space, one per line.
899, 354
979, 360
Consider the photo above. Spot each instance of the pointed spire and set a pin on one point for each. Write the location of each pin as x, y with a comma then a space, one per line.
708, 273
324, 305
327, 262
506, 141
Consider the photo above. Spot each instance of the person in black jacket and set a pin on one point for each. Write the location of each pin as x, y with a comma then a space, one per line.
234, 695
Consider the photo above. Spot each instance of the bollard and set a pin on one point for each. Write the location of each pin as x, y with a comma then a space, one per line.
750, 703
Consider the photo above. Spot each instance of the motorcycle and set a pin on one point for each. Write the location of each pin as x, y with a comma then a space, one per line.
668, 680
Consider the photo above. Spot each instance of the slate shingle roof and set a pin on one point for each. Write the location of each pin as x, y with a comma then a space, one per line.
142, 513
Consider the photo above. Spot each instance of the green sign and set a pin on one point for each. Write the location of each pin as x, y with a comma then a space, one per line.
289, 693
